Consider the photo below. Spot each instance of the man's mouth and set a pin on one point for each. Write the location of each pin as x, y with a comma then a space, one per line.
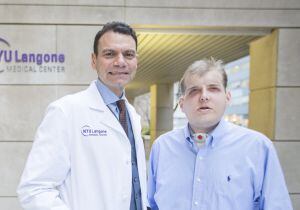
204, 108
118, 73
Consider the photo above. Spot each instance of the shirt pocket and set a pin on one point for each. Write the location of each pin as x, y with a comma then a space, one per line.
231, 183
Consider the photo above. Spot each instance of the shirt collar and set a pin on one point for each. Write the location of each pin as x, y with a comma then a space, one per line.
108, 96
213, 137
187, 134
218, 132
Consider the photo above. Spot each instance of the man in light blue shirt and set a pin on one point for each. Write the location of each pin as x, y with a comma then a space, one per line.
212, 164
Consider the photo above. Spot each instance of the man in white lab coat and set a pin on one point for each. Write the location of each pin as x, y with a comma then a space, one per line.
88, 152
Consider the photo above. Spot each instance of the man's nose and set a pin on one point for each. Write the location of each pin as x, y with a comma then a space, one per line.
204, 95
119, 61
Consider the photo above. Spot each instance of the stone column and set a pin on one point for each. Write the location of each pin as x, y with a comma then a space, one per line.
161, 117
275, 99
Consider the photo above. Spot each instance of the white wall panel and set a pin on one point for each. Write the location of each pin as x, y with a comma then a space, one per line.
77, 43
287, 114
213, 17
38, 14
296, 201
288, 57
288, 153
9, 203
25, 40
216, 3
65, 2
12, 161
35, 14
22, 109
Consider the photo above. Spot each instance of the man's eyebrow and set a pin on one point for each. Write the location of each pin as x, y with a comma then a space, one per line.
126, 50
130, 50
106, 49
209, 85
193, 87
214, 84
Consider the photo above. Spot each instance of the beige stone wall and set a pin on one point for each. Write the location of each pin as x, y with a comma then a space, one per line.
275, 98
263, 75
61, 26
269, 13
161, 109
25, 95
287, 126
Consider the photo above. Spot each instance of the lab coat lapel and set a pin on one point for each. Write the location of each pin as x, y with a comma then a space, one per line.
96, 103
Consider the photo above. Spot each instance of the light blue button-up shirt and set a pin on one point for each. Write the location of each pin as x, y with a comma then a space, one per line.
236, 169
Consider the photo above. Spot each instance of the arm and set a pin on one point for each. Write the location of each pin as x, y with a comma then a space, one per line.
47, 165
274, 191
152, 178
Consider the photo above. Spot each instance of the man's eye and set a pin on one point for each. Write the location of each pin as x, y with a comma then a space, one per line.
214, 88
109, 54
129, 55
193, 92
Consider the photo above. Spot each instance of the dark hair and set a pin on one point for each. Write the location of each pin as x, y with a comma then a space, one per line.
117, 27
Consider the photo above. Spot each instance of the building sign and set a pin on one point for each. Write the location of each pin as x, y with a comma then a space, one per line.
13, 60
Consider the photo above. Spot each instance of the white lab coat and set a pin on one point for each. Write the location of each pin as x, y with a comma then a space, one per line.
81, 158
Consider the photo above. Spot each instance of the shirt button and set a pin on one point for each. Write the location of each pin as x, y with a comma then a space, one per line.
198, 179
196, 203
135, 179
200, 158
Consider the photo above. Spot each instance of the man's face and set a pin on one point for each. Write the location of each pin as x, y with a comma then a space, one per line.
116, 62
204, 101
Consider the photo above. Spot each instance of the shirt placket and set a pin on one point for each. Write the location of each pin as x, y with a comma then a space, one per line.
199, 179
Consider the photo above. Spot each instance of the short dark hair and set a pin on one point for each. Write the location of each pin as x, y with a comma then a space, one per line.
117, 27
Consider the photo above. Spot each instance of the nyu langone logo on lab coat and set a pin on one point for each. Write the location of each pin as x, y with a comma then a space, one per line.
88, 131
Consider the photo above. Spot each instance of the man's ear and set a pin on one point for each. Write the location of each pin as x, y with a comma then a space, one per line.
93, 60
137, 61
228, 97
180, 102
